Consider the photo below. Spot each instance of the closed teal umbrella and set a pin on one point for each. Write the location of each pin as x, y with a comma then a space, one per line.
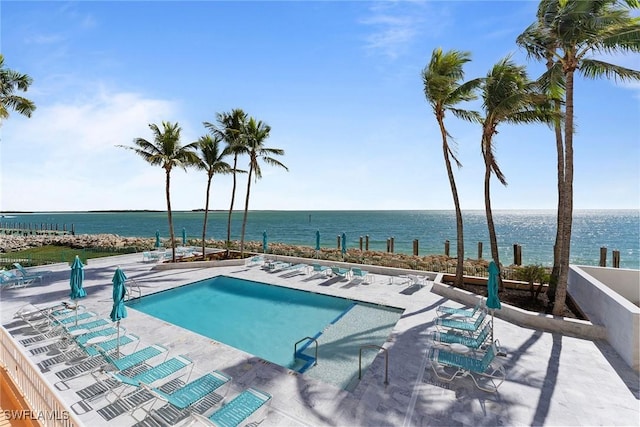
76, 279
344, 244
118, 311
493, 301
184, 237
157, 239
265, 247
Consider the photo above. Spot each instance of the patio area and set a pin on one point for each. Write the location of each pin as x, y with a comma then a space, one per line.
552, 379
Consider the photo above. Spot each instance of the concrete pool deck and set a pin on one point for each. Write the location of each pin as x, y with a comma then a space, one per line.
551, 379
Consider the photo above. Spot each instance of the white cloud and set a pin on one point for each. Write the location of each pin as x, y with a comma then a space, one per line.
44, 39
65, 157
394, 26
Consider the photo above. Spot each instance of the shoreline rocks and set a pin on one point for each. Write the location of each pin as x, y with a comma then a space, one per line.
15, 242
12, 243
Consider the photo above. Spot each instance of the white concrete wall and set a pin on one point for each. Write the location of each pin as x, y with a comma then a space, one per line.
625, 282
574, 327
604, 306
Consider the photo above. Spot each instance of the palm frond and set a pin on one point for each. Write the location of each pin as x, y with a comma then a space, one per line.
453, 152
593, 68
467, 115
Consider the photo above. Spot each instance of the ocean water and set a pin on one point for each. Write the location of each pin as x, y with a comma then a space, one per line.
534, 230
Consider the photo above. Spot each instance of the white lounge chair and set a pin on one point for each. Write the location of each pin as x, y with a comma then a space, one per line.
362, 274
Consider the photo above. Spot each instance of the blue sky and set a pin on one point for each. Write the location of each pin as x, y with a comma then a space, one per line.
338, 82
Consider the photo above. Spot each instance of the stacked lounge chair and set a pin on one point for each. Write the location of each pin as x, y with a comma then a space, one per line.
486, 372
461, 312
469, 327
472, 342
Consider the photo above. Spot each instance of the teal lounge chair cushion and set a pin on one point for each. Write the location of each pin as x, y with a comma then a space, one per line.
158, 372
192, 392
461, 324
240, 408
456, 338
461, 312
134, 359
88, 325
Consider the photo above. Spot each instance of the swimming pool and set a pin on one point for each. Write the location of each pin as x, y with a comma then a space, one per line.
267, 320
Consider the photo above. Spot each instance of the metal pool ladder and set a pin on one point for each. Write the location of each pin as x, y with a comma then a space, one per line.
133, 289
386, 362
295, 348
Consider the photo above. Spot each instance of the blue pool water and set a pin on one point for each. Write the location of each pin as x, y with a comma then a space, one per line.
260, 319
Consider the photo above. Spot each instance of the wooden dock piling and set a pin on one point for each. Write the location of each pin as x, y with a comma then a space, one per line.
603, 257
616, 259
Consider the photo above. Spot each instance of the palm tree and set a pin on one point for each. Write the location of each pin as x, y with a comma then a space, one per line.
231, 128
508, 96
165, 151
538, 46
10, 81
443, 90
211, 161
257, 133
566, 34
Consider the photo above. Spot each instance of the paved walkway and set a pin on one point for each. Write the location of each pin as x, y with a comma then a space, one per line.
551, 379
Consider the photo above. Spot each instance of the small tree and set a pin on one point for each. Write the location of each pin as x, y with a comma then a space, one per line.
534, 273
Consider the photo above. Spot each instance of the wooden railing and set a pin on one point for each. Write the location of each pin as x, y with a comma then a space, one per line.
45, 404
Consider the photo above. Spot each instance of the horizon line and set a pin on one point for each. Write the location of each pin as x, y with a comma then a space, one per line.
302, 210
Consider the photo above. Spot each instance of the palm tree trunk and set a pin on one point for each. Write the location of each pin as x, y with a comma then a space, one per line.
206, 214
233, 198
567, 214
454, 192
555, 272
246, 210
170, 216
487, 204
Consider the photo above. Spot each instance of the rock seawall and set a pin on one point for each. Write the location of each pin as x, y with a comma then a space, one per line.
11, 243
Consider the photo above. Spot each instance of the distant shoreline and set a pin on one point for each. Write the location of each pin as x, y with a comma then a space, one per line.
314, 210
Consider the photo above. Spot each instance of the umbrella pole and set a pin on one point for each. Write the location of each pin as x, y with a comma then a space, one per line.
492, 313
118, 337
76, 309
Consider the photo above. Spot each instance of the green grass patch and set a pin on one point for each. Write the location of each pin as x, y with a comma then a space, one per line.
54, 254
